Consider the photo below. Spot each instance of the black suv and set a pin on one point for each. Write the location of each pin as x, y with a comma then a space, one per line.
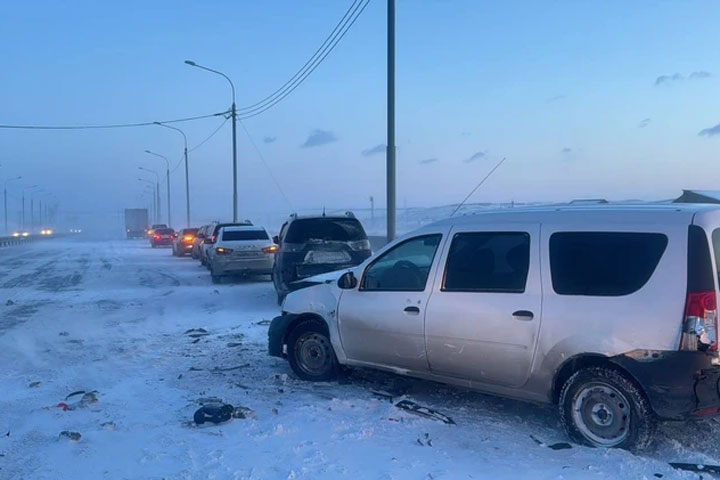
311, 245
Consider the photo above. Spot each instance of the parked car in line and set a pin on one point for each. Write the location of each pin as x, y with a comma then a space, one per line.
211, 236
244, 250
162, 237
311, 245
198, 241
184, 241
609, 312
155, 226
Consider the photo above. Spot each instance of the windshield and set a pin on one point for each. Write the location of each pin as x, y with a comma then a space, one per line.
328, 229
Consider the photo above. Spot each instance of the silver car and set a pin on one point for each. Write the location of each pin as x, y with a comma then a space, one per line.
241, 250
607, 311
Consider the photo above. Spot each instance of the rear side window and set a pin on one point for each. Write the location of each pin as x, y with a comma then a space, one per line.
488, 262
245, 235
330, 229
603, 263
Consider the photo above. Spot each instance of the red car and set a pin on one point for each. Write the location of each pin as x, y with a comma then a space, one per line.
162, 237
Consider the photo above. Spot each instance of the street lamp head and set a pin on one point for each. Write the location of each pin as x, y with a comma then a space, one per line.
191, 63
148, 151
157, 123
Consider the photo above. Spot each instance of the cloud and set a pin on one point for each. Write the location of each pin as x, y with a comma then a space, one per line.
269, 139
566, 150
318, 138
427, 160
663, 79
377, 149
700, 74
555, 98
710, 132
644, 123
475, 156
678, 77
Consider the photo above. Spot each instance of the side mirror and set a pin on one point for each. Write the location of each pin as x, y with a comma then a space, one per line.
347, 281
276, 240
208, 240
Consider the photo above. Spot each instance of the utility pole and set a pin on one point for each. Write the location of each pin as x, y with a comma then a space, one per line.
5, 201
391, 199
167, 172
32, 213
372, 209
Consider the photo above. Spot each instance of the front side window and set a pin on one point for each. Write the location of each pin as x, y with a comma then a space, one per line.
404, 268
603, 263
488, 262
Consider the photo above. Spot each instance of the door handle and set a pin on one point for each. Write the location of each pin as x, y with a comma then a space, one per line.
523, 315
412, 310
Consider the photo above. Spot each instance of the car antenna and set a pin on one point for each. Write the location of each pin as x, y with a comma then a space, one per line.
477, 186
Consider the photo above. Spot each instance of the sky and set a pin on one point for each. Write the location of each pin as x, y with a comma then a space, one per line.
609, 99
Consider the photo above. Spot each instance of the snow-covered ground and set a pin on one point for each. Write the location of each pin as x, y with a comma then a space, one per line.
111, 317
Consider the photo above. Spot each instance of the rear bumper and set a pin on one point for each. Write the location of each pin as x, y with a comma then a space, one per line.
679, 385
259, 266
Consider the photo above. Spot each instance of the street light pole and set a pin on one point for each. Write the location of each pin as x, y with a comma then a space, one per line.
391, 193
233, 113
23, 203
157, 192
5, 201
187, 174
167, 173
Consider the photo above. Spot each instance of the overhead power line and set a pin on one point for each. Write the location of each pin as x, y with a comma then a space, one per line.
337, 34
107, 126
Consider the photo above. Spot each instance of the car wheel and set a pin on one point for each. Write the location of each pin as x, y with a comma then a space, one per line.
310, 352
602, 407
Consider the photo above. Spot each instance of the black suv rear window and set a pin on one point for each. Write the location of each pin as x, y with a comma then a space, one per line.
334, 229
603, 263
245, 235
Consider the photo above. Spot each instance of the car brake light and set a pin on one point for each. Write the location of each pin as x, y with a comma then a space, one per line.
270, 249
701, 322
157, 237
223, 251
188, 238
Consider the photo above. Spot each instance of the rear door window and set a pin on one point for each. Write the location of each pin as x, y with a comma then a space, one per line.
488, 262
328, 229
603, 263
231, 235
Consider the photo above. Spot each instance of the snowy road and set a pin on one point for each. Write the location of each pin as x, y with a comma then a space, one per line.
112, 317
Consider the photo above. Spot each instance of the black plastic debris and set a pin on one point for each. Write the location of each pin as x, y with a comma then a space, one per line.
34, 384
9, 303
196, 332
696, 467
552, 446
74, 436
412, 407
213, 413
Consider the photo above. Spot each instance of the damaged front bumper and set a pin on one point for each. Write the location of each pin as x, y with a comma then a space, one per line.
680, 385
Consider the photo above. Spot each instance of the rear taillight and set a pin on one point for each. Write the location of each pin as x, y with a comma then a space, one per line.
212, 239
359, 245
157, 237
270, 249
700, 326
701, 322
223, 251
188, 238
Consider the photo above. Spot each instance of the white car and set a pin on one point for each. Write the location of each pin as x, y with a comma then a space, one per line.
241, 250
607, 311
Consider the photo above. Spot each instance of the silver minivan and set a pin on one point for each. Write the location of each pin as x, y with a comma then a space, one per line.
608, 311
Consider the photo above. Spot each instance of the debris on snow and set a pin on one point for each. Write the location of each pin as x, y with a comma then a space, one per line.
696, 467
554, 446
196, 332
74, 436
34, 384
9, 303
412, 407
213, 413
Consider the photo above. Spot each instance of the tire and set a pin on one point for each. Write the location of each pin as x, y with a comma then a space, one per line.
310, 353
216, 279
602, 407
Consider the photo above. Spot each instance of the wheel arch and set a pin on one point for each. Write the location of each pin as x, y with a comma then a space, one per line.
586, 360
301, 318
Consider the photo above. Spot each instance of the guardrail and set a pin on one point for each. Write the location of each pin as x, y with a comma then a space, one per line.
10, 241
